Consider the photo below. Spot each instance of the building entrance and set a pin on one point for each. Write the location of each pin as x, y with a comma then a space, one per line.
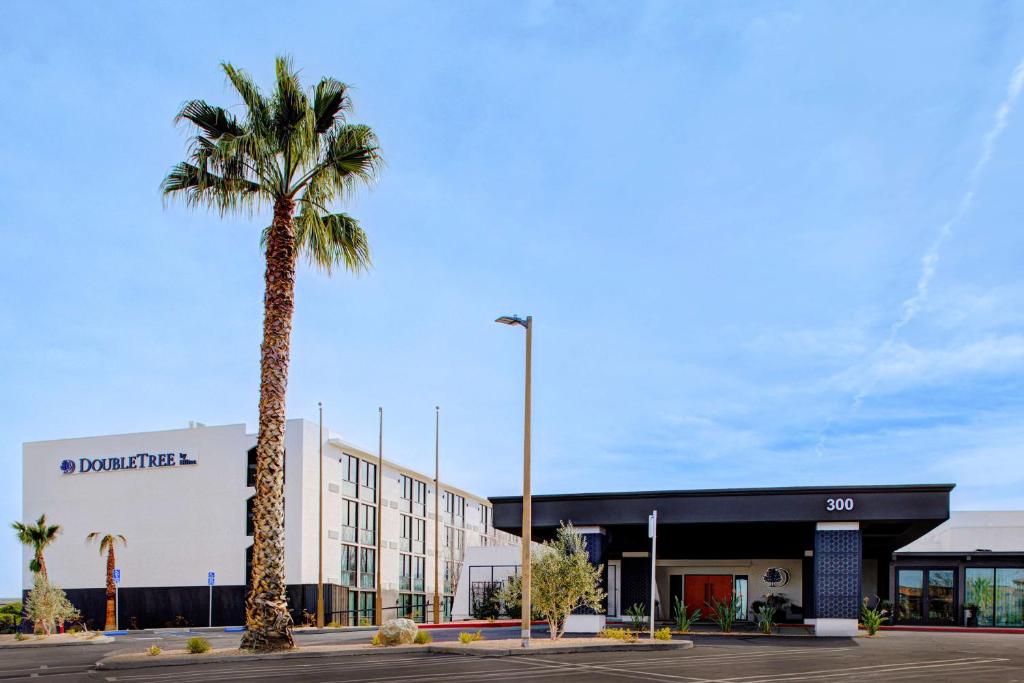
700, 591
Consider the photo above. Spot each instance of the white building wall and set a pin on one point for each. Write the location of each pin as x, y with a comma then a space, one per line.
180, 521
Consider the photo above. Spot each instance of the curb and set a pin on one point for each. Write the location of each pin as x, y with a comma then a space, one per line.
561, 650
99, 640
106, 665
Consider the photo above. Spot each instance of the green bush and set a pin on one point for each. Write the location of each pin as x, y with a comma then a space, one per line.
197, 645
663, 634
684, 621
637, 614
765, 617
423, 637
723, 612
153, 650
873, 618
377, 641
466, 637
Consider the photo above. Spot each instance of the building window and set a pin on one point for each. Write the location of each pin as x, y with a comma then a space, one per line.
419, 573
405, 573
367, 481
405, 541
995, 596
350, 485
367, 607
925, 596
250, 474
419, 499
451, 576
367, 567
407, 493
349, 520
248, 515
419, 539
349, 566
459, 511
368, 525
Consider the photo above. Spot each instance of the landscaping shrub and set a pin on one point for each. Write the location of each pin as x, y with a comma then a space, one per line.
873, 618
724, 612
20, 636
683, 620
663, 634
153, 650
197, 645
423, 637
637, 614
618, 634
48, 605
465, 637
765, 617
10, 617
377, 641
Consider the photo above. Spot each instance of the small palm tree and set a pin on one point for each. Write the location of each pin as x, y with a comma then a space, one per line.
296, 152
38, 535
107, 543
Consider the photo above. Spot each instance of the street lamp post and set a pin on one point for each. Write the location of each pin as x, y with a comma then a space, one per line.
527, 501
320, 530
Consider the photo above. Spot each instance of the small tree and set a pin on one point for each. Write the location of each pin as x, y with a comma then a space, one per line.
563, 580
48, 605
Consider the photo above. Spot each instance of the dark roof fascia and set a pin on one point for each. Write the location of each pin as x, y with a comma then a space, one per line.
697, 493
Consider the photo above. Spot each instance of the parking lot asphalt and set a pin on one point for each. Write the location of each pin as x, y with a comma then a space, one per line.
987, 658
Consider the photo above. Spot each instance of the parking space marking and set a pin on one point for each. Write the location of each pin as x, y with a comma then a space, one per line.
861, 670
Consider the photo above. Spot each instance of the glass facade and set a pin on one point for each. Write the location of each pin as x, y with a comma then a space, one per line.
926, 596
995, 596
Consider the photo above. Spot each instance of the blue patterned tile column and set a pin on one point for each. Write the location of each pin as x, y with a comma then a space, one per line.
837, 578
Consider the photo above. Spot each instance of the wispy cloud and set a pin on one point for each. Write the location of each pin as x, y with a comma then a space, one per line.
911, 306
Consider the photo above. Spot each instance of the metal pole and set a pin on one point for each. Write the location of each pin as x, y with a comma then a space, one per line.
437, 514
654, 552
378, 598
527, 500
210, 624
320, 531
117, 608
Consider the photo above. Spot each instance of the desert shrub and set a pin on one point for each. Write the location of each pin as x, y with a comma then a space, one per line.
465, 637
153, 650
48, 605
20, 636
765, 617
873, 618
197, 646
683, 619
723, 612
377, 641
637, 614
617, 634
663, 634
334, 624
423, 637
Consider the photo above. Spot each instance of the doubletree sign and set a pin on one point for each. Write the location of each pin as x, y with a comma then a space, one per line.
139, 461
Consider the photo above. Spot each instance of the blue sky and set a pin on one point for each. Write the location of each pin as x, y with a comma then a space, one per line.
764, 244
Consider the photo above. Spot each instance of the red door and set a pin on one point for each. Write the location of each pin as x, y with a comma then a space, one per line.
700, 589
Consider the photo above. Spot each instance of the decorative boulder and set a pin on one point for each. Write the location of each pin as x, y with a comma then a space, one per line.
398, 632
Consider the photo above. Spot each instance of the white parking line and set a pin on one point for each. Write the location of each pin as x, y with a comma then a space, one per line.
860, 670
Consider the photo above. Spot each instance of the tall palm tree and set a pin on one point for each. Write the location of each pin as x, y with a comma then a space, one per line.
296, 152
38, 535
107, 543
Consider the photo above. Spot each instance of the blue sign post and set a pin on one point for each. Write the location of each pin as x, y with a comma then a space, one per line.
117, 602
211, 578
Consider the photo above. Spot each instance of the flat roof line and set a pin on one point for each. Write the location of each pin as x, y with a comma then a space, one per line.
695, 493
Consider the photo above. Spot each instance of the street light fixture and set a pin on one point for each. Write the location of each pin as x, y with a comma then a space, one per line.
527, 501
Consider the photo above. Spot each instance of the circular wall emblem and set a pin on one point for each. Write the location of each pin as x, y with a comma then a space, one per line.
776, 576
67, 466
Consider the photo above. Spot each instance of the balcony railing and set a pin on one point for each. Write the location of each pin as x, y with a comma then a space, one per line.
405, 544
366, 579
348, 534
348, 578
417, 584
366, 536
404, 583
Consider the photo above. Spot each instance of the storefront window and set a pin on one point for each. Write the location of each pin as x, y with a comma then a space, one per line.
940, 596
978, 594
1010, 597
911, 583
740, 591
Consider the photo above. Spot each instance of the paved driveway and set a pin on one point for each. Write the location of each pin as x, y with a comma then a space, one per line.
891, 657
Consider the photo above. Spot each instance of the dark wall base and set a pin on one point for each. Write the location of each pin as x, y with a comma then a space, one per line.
184, 606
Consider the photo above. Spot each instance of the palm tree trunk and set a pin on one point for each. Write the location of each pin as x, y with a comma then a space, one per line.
42, 564
111, 624
267, 620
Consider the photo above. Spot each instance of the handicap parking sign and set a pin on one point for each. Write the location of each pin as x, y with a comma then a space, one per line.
117, 576
210, 578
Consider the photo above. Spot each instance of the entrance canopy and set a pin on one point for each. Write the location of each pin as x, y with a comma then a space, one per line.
724, 523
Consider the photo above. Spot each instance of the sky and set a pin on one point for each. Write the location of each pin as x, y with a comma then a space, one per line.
764, 244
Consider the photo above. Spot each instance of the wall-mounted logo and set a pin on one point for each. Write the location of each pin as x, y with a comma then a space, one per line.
776, 577
139, 461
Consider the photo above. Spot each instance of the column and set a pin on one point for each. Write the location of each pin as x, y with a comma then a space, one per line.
837, 577
585, 620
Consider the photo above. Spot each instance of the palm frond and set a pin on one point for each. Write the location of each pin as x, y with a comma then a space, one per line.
257, 105
214, 121
294, 123
200, 187
332, 240
330, 102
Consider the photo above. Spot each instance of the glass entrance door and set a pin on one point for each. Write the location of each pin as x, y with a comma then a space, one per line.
926, 596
